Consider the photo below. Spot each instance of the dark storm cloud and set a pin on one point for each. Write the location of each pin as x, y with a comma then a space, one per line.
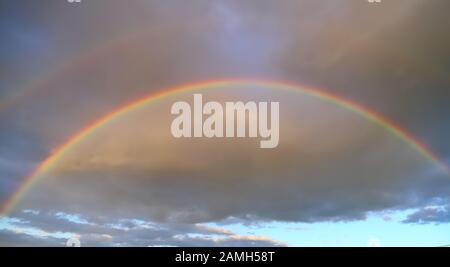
396, 65
20, 151
118, 60
392, 57
324, 154
436, 214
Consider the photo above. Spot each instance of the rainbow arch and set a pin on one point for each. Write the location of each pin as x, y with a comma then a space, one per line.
325, 96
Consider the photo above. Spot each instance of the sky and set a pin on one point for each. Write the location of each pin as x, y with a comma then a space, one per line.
336, 179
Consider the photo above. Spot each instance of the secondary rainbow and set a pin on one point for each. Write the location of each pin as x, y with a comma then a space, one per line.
368, 114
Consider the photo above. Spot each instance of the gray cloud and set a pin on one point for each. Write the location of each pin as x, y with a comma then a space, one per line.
40, 229
433, 214
12, 239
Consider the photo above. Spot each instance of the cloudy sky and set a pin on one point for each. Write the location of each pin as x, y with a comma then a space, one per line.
336, 179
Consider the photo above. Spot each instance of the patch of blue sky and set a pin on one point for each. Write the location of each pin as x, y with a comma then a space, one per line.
387, 229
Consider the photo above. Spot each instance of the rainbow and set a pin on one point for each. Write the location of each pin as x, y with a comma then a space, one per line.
78, 137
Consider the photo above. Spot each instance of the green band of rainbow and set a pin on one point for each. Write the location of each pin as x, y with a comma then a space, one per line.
366, 113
